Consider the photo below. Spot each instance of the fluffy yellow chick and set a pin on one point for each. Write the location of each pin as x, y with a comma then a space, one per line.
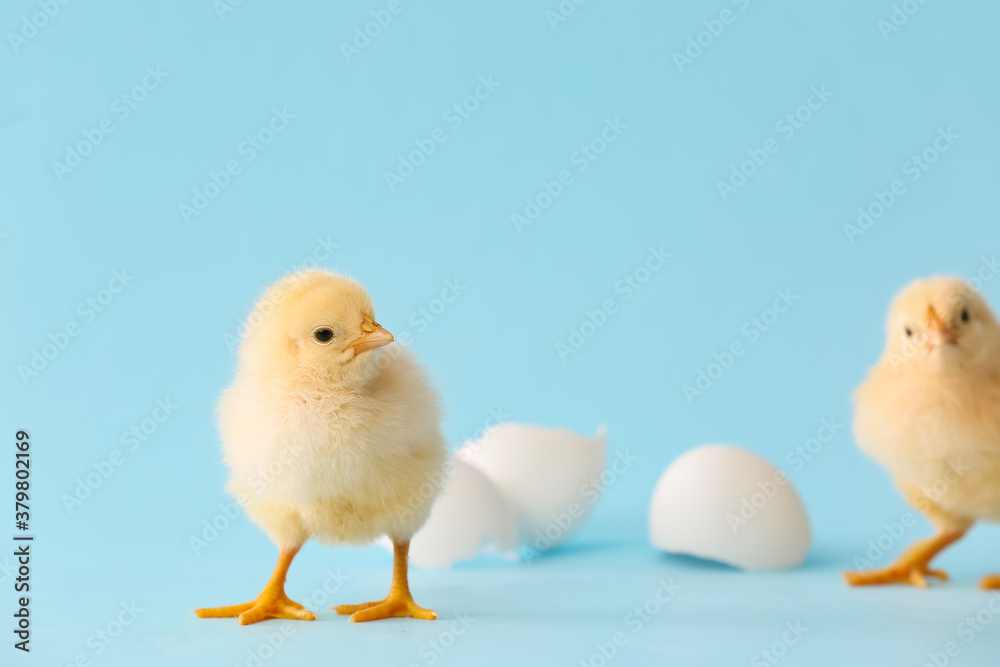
930, 413
329, 436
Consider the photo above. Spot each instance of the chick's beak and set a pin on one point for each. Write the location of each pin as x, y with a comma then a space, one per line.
939, 331
373, 336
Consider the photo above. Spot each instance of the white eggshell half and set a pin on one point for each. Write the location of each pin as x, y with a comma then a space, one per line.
541, 472
469, 516
726, 503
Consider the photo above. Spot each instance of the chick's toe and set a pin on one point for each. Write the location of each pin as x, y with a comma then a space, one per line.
399, 602
271, 603
913, 567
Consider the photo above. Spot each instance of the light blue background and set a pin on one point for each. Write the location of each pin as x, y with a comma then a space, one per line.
494, 348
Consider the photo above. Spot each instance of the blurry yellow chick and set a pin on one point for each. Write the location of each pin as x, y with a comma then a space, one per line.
930, 413
329, 436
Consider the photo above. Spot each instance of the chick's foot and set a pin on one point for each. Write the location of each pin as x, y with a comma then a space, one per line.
913, 567
915, 574
267, 605
397, 604
990, 582
399, 601
271, 603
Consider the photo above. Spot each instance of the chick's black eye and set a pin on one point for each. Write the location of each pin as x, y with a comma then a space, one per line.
323, 335
909, 331
965, 314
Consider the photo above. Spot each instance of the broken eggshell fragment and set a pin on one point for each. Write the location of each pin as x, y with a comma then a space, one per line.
550, 476
727, 504
468, 518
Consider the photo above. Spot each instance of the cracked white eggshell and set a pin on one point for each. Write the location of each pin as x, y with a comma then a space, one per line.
541, 472
469, 516
726, 503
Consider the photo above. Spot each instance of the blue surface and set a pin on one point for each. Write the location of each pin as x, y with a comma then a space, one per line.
314, 189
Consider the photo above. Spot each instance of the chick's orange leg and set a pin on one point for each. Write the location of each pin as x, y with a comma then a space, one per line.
399, 602
271, 603
912, 567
